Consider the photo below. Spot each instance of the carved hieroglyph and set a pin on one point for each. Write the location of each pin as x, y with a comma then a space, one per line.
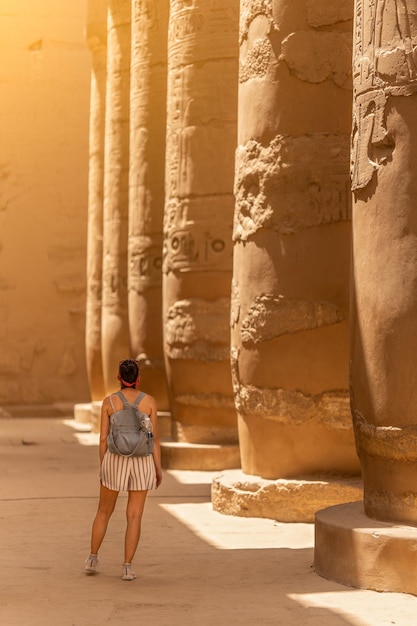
384, 302
115, 330
97, 42
292, 238
197, 266
148, 88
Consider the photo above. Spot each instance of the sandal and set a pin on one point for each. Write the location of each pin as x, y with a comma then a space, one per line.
91, 564
127, 573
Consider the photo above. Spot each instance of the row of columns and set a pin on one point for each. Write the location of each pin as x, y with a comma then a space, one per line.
218, 197
219, 245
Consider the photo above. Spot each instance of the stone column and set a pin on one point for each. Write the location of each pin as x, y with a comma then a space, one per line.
384, 276
115, 329
146, 190
97, 42
201, 141
292, 239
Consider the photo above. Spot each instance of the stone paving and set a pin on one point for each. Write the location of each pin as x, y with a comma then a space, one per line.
194, 565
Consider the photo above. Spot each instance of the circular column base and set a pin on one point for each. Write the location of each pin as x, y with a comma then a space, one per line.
357, 551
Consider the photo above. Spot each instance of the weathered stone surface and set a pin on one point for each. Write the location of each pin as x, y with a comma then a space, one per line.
318, 56
198, 329
271, 316
325, 13
236, 493
307, 172
294, 407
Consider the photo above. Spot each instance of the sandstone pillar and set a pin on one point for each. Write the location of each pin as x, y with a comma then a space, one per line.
97, 42
201, 141
146, 190
115, 331
384, 277
292, 239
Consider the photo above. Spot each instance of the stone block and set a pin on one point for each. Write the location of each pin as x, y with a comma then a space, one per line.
236, 493
82, 413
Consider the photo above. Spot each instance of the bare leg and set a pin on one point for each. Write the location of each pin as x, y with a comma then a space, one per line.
105, 509
134, 512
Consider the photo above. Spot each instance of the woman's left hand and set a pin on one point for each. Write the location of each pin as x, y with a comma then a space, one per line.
158, 472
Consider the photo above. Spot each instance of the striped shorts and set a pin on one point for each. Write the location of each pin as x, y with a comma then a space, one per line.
132, 473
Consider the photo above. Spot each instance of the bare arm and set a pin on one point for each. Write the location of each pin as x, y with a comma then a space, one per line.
104, 427
152, 412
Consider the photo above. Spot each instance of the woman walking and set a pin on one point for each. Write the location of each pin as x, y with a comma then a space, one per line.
125, 410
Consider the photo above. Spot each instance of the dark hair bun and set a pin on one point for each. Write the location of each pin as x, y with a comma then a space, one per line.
129, 370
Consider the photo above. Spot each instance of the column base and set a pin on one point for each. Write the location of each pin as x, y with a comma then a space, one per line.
243, 495
354, 550
197, 456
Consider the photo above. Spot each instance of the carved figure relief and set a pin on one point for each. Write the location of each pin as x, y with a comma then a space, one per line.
384, 63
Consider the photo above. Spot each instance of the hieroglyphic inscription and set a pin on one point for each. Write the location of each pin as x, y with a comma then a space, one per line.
144, 14
198, 249
385, 63
145, 262
113, 287
201, 30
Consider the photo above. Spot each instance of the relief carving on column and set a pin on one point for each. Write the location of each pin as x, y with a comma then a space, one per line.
384, 64
197, 251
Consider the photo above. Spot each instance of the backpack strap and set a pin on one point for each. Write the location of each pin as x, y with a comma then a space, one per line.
111, 402
122, 398
126, 402
139, 399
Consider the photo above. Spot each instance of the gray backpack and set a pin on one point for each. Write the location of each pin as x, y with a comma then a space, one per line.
130, 432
